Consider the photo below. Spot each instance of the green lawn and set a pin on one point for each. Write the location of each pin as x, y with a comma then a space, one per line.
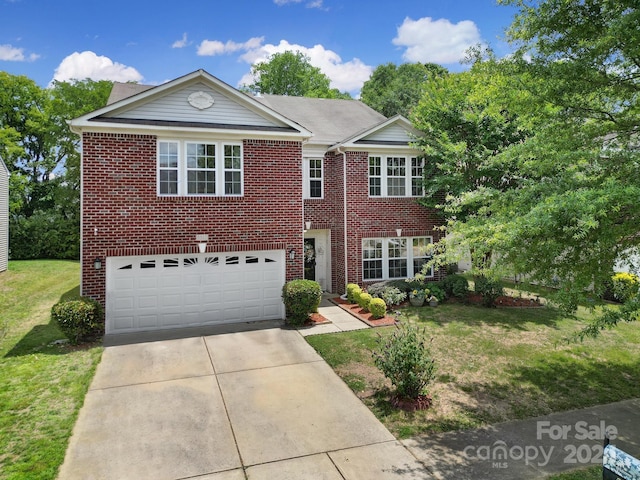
43, 385
493, 365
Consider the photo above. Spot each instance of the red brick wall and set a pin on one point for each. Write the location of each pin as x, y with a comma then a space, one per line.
366, 217
123, 215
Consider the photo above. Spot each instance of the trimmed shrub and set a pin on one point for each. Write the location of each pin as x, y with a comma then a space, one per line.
363, 301
405, 359
80, 320
489, 289
352, 290
377, 307
301, 298
625, 286
456, 286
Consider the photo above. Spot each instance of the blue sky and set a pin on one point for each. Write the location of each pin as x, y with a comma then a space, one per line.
154, 41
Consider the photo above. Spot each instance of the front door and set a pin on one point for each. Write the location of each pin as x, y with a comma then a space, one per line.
310, 259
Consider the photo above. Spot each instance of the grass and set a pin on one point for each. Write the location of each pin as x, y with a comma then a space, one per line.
494, 365
43, 385
590, 473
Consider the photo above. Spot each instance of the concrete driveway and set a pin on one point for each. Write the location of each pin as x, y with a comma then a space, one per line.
257, 404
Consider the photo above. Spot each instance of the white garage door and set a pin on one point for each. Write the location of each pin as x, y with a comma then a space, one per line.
171, 291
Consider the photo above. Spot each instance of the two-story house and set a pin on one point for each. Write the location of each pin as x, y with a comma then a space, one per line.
199, 202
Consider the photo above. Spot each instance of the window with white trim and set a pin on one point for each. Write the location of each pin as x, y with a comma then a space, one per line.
313, 178
187, 168
391, 258
395, 176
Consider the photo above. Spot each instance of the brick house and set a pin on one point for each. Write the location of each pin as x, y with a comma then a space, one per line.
199, 201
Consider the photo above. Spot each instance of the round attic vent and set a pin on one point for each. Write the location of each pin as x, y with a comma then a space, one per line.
200, 100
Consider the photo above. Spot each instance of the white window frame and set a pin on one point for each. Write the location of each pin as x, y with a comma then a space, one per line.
307, 178
389, 245
182, 170
387, 164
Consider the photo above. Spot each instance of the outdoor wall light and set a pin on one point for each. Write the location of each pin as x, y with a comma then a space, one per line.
307, 225
399, 232
292, 254
97, 263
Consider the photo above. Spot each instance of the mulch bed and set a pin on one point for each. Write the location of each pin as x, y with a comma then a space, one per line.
357, 312
316, 319
502, 301
423, 402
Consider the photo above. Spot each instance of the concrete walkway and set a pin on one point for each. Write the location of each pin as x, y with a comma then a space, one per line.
256, 404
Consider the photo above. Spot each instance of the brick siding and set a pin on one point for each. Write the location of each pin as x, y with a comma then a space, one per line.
123, 215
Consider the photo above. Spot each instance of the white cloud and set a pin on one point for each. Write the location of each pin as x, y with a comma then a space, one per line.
345, 76
210, 48
437, 41
81, 65
182, 42
10, 53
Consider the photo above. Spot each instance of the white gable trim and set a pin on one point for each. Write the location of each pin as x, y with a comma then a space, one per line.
92, 122
399, 120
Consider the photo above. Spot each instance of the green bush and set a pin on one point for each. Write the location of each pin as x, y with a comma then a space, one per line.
301, 298
437, 291
625, 286
393, 296
80, 320
363, 301
489, 289
405, 359
377, 307
352, 291
455, 286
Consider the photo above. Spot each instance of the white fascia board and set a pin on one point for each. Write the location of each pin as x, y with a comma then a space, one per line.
351, 142
77, 124
160, 130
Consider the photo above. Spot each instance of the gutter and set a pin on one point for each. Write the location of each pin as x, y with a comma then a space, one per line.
344, 212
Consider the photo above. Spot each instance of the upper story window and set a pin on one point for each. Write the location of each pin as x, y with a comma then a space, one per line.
313, 178
392, 258
200, 168
395, 176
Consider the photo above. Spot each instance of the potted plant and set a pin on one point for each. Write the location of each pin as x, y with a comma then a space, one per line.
417, 296
433, 301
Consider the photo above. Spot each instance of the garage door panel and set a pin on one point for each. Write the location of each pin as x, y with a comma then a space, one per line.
169, 291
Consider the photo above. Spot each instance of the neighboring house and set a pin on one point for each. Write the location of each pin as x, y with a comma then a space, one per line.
4, 216
270, 188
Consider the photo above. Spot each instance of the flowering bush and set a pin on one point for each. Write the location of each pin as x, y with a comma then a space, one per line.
625, 286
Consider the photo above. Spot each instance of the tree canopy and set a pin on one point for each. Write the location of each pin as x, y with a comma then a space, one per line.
43, 157
291, 73
558, 200
395, 90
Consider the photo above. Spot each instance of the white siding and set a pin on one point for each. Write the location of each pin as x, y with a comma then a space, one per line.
4, 216
175, 107
392, 133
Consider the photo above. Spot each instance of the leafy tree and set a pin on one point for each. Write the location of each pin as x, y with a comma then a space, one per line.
396, 90
569, 209
291, 73
42, 155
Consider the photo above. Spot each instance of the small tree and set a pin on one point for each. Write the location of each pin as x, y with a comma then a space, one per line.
405, 359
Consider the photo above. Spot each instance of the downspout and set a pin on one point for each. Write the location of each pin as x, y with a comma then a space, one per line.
344, 213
